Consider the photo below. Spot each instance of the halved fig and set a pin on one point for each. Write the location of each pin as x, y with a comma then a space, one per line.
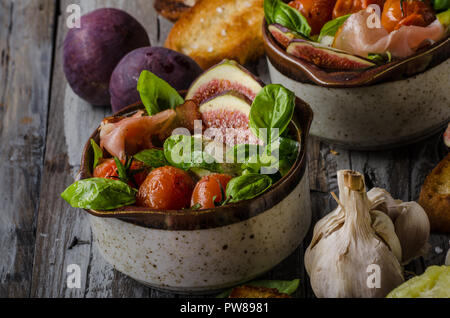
282, 34
226, 118
326, 57
225, 76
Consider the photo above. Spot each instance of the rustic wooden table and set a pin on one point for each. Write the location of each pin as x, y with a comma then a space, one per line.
43, 126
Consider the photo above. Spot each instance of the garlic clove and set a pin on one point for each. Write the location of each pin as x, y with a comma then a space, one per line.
385, 229
382, 200
413, 230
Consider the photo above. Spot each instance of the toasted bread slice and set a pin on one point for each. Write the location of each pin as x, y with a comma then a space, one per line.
435, 196
173, 9
256, 292
214, 30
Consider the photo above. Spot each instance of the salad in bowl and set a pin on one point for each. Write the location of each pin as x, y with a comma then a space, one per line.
200, 191
374, 72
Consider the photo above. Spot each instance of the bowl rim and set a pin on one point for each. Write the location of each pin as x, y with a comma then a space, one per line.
188, 220
308, 73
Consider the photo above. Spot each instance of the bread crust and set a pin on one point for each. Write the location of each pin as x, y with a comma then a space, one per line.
435, 196
214, 30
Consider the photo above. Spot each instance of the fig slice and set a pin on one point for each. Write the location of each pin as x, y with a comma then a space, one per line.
226, 117
225, 76
281, 34
326, 57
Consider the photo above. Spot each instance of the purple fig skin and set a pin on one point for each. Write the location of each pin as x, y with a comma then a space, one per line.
325, 57
175, 68
281, 34
91, 53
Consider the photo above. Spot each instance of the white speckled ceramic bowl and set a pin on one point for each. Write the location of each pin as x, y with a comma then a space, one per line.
205, 251
384, 107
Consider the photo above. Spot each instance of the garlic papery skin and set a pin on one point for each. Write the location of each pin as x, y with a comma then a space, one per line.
382, 200
413, 230
345, 261
384, 228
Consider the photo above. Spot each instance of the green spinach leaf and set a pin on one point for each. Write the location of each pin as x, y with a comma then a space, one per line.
156, 94
152, 157
276, 11
247, 186
99, 194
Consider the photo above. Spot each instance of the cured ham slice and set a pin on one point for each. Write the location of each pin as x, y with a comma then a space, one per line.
357, 37
131, 134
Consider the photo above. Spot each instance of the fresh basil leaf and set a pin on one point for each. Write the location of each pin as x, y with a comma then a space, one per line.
196, 207
181, 152
264, 163
272, 109
440, 5
247, 186
288, 149
444, 18
331, 27
99, 194
98, 153
121, 170
156, 94
276, 11
283, 286
241, 153
152, 157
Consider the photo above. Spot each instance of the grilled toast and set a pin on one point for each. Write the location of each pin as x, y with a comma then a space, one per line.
214, 30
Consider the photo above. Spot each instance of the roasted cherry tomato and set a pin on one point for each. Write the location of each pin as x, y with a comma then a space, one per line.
317, 12
344, 7
209, 187
415, 12
166, 188
108, 169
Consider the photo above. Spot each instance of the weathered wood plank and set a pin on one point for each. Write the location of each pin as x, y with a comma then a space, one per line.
25, 66
71, 121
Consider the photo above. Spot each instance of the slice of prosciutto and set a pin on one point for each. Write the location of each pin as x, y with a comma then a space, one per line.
131, 134
360, 37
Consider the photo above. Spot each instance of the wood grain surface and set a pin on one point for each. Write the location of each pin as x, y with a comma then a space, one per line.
44, 126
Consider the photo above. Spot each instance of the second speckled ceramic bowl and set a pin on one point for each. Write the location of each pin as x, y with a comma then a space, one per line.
391, 105
204, 251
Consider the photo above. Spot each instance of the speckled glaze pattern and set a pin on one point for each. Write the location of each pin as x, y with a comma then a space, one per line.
379, 116
209, 259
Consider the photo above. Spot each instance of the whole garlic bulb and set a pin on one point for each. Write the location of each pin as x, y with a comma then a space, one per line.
345, 248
